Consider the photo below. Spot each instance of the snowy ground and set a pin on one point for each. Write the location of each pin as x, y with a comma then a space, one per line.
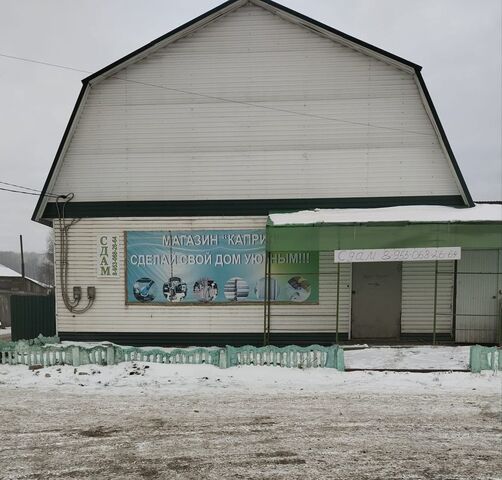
5, 334
147, 378
410, 358
151, 421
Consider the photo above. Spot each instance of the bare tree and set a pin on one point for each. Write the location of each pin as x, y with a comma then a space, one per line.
46, 269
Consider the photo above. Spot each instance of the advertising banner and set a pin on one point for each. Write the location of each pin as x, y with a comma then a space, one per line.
214, 266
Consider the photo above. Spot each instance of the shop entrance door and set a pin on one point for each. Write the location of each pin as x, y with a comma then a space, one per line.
376, 300
479, 297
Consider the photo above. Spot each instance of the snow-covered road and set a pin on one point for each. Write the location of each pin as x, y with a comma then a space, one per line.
156, 421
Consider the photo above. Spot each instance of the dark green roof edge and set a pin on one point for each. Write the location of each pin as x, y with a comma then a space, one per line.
242, 207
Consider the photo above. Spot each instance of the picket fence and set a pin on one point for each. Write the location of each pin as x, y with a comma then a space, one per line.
50, 353
485, 358
315, 356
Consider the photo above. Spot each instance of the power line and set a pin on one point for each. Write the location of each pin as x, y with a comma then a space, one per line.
30, 60
32, 191
26, 193
20, 186
223, 99
266, 107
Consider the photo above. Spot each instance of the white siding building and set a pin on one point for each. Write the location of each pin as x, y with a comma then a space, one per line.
247, 110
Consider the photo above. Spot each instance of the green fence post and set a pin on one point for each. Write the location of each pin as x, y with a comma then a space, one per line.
340, 359
475, 359
118, 355
223, 363
231, 356
331, 357
494, 361
471, 355
75, 356
110, 355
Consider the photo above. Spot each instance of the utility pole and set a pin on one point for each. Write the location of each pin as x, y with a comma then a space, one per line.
22, 255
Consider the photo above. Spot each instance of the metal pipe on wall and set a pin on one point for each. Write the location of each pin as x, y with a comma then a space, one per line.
435, 303
266, 294
337, 300
269, 294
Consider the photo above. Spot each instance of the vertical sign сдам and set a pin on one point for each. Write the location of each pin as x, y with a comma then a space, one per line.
107, 255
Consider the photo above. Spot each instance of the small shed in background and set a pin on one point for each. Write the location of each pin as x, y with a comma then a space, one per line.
13, 283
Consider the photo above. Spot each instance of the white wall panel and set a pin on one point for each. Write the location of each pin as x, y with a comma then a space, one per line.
417, 304
144, 134
479, 296
110, 313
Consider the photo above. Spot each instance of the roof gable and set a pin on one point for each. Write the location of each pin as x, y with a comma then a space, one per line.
232, 5
284, 13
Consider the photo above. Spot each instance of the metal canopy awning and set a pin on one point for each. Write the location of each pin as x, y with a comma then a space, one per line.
393, 227
479, 227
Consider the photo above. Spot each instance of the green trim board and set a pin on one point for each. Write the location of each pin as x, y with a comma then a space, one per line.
181, 208
383, 235
463, 186
142, 338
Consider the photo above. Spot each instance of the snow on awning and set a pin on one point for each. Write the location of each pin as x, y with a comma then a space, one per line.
480, 213
8, 272
392, 227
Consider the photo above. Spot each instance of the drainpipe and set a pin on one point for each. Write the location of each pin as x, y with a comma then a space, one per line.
267, 290
337, 300
435, 303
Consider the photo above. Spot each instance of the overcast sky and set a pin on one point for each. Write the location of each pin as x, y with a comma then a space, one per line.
458, 43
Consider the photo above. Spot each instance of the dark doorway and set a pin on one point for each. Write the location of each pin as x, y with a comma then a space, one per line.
376, 300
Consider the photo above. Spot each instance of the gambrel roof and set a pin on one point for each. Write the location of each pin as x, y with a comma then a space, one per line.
286, 14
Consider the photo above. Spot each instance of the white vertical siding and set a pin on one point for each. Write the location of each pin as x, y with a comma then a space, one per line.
322, 317
477, 312
110, 313
306, 117
417, 304
479, 281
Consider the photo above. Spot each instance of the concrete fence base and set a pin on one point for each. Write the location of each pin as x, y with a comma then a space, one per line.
48, 352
